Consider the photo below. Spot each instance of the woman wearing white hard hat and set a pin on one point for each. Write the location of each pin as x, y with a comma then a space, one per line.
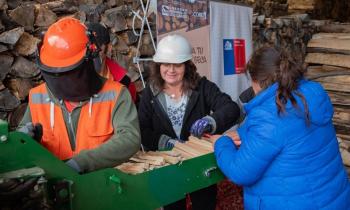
178, 103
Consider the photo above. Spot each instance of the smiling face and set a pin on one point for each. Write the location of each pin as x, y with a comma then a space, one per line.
172, 74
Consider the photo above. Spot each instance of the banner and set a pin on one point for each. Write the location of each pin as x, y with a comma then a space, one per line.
231, 46
189, 18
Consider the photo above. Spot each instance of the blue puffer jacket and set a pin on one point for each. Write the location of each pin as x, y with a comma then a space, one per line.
283, 163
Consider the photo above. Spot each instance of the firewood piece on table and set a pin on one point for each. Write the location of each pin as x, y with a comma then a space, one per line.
187, 149
167, 158
184, 154
150, 157
198, 147
152, 162
134, 168
203, 142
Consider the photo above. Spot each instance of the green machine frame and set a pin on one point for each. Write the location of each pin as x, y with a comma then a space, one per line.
108, 188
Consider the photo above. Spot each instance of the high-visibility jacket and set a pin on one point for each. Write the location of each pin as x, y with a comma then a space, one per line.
93, 128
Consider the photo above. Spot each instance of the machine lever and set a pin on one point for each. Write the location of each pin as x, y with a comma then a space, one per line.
208, 171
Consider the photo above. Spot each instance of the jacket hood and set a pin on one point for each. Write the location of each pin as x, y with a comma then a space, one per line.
319, 105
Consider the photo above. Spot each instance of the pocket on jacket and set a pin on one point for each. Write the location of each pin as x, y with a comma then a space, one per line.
98, 135
49, 141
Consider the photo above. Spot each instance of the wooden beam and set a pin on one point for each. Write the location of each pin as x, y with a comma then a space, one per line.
329, 59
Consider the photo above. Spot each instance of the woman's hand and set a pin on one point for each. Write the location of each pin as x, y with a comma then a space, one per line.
214, 138
235, 137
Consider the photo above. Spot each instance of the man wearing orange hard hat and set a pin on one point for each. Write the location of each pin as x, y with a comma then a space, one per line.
87, 120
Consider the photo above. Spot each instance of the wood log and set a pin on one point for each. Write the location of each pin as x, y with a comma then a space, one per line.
335, 28
24, 68
24, 16
341, 116
5, 65
27, 44
329, 59
339, 98
8, 101
331, 42
12, 36
301, 4
45, 17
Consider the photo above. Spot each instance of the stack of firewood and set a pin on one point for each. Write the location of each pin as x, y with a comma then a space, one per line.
329, 63
22, 23
288, 32
145, 161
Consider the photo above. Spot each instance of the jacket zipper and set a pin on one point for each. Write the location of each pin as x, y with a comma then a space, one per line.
72, 129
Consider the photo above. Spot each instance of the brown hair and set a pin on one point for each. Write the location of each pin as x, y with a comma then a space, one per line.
269, 65
190, 80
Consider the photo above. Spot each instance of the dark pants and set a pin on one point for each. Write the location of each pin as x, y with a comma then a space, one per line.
204, 199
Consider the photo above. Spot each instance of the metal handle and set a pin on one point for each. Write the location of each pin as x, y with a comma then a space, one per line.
208, 171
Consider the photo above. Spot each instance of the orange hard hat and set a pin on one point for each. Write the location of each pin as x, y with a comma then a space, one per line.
64, 45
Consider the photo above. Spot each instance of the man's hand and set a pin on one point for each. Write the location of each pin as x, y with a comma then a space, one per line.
34, 131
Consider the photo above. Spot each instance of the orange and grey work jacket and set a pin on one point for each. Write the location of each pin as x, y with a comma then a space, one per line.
94, 126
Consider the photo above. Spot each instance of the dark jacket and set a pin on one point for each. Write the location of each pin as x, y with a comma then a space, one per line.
205, 99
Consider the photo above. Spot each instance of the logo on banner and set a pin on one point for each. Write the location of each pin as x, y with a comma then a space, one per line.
234, 56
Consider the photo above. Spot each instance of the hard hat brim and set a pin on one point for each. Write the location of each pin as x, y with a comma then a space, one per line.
171, 60
58, 70
47, 60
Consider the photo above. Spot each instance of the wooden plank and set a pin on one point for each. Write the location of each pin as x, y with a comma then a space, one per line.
331, 42
314, 72
328, 59
335, 28
336, 87
339, 98
301, 4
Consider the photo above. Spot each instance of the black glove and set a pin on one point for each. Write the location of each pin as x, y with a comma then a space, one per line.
34, 131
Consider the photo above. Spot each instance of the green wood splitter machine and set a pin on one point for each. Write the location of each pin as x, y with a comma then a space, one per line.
27, 167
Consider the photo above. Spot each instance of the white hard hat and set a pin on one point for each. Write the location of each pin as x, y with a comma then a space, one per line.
173, 49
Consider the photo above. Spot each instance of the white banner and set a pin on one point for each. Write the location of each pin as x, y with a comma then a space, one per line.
231, 46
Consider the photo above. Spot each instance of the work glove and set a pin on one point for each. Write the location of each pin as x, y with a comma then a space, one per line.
34, 131
201, 126
167, 143
74, 165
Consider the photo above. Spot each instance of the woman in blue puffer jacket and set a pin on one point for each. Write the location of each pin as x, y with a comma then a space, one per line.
288, 156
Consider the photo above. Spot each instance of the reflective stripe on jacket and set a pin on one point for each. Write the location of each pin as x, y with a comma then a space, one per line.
94, 125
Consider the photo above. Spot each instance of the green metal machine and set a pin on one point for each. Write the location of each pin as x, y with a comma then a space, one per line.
24, 162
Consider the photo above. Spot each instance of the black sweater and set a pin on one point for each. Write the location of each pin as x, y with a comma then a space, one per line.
206, 99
